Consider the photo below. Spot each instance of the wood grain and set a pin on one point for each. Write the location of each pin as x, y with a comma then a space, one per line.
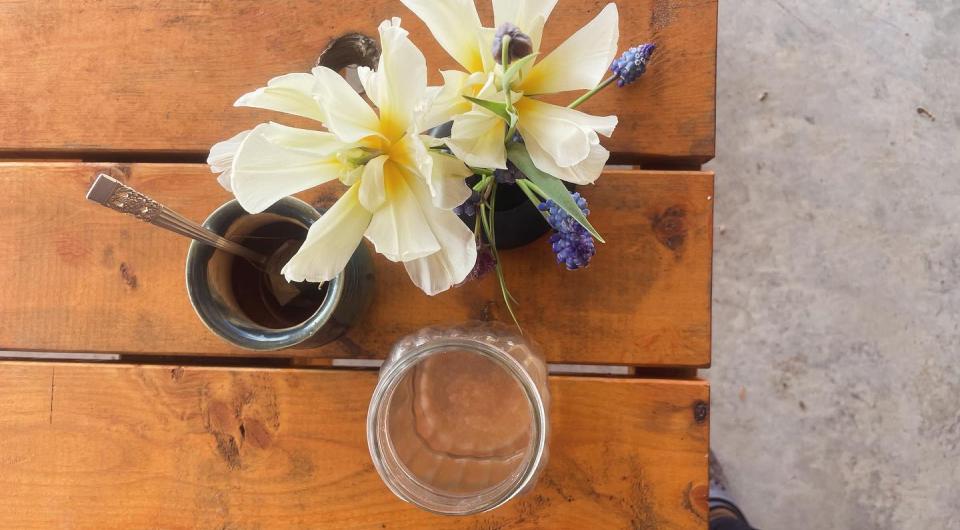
91, 76
115, 446
78, 277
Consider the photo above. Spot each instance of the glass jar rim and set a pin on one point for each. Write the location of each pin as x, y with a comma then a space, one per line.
390, 378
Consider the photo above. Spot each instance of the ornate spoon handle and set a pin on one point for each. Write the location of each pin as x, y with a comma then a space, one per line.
117, 196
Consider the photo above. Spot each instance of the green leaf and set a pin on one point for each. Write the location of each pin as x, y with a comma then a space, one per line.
515, 68
500, 109
551, 186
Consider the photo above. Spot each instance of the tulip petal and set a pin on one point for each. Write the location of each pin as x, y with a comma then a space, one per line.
477, 139
447, 183
399, 230
581, 61
450, 265
524, 15
484, 39
331, 241
563, 132
454, 24
220, 159
443, 174
372, 194
400, 81
586, 171
447, 101
291, 93
347, 115
275, 161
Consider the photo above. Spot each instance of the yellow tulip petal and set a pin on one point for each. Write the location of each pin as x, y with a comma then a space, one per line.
331, 241
400, 81
372, 194
524, 14
274, 161
291, 93
581, 61
477, 139
347, 115
450, 265
448, 187
454, 24
586, 171
220, 159
564, 133
399, 230
447, 101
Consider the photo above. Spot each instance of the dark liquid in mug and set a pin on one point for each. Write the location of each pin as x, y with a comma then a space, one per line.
251, 286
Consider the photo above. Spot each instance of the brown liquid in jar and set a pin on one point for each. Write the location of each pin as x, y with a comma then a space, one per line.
460, 422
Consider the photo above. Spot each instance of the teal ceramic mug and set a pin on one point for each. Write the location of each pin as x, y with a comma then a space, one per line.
231, 296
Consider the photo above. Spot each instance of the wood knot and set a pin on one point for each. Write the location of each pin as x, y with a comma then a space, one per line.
128, 276
700, 411
487, 311
670, 227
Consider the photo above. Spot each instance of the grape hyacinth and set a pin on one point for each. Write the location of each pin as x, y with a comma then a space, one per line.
632, 63
509, 175
469, 206
572, 243
485, 264
520, 43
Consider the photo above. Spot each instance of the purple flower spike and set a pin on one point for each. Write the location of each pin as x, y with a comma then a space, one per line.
632, 63
520, 43
509, 175
572, 243
485, 264
469, 206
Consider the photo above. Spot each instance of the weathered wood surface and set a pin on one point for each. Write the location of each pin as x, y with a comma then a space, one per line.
115, 446
87, 76
78, 277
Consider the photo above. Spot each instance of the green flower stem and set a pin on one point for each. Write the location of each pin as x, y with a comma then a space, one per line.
513, 126
486, 215
505, 52
479, 186
508, 100
526, 186
476, 227
536, 189
603, 84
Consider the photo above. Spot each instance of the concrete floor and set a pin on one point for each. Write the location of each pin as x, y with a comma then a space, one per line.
836, 375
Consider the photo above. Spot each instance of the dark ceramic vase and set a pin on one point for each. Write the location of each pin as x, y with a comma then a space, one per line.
516, 221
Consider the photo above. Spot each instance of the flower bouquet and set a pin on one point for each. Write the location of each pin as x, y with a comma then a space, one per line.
407, 190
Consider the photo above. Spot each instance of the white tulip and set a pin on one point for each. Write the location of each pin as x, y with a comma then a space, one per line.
400, 191
561, 141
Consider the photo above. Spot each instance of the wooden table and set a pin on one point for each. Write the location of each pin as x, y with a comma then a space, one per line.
181, 430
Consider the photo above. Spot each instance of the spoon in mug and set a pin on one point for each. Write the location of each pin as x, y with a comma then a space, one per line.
115, 195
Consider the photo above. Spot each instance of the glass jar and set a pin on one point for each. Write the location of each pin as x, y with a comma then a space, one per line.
458, 421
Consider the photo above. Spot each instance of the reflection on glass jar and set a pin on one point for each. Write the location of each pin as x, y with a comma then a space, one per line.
458, 421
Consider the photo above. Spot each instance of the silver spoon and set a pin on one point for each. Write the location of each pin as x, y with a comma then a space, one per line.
115, 195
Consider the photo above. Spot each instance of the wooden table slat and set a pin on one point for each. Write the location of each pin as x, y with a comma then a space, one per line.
80, 278
116, 446
145, 77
